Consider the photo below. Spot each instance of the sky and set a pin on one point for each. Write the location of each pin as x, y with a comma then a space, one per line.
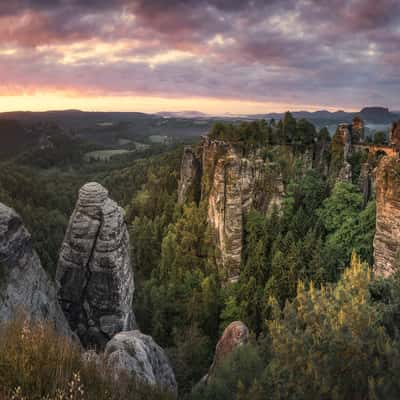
214, 56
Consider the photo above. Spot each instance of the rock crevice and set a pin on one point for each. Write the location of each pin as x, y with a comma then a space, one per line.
94, 271
24, 284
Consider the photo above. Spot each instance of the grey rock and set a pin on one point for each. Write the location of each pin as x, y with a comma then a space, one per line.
94, 271
138, 355
345, 173
24, 284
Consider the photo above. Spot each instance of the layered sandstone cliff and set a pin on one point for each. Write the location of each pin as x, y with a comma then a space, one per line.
387, 236
94, 271
233, 180
231, 194
190, 176
24, 285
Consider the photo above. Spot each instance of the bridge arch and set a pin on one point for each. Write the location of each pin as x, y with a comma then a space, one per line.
379, 150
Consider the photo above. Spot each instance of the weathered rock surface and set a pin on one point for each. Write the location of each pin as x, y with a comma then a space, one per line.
190, 175
235, 334
139, 355
387, 235
233, 178
94, 271
230, 198
345, 173
24, 284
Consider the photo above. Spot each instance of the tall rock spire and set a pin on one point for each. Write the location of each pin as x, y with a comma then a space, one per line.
94, 271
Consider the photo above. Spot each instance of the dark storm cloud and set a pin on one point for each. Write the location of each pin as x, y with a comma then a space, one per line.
315, 51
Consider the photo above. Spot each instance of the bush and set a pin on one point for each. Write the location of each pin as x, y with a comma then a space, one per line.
36, 363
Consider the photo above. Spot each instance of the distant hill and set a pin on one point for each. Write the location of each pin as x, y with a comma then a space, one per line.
107, 128
377, 115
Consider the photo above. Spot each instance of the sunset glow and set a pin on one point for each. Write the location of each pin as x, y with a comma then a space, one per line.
215, 57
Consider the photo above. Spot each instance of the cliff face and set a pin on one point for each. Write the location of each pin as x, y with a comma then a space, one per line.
234, 179
190, 175
229, 183
24, 285
387, 236
94, 272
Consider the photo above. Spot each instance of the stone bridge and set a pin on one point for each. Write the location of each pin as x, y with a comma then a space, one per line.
391, 151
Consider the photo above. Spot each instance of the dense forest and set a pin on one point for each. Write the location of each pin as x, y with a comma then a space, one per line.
321, 326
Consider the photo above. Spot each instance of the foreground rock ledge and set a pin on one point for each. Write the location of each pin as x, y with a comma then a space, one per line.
137, 354
24, 284
94, 271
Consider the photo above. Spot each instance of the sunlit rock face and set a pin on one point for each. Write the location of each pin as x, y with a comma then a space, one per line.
236, 334
231, 187
94, 271
24, 285
138, 355
387, 236
394, 136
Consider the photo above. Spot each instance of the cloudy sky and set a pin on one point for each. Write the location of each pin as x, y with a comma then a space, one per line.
210, 55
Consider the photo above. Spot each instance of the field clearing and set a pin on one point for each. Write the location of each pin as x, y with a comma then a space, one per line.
105, 155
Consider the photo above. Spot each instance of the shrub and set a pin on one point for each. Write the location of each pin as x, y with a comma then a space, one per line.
36, 363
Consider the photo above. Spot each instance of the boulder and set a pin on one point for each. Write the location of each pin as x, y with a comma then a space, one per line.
235, 334
94, 272
138, 355
24, 285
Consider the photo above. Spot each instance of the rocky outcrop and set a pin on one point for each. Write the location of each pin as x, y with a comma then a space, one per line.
345, 173
190, 175
94, 271
387, 235
24, 285
138, 355
230, 197
236, 334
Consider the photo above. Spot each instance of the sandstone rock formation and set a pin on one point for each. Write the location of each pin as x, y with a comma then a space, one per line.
387, 236
94, 270
394, 135
24, 285
138, 355
235, 334
190, 175
230, 197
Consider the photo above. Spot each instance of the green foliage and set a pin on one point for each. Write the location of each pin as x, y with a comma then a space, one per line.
236, 378
349, 227
330, 344
336, 155
335, 342
256, 133
191, 355
379, 137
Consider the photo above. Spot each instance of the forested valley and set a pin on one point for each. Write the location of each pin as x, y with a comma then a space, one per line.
322, 324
